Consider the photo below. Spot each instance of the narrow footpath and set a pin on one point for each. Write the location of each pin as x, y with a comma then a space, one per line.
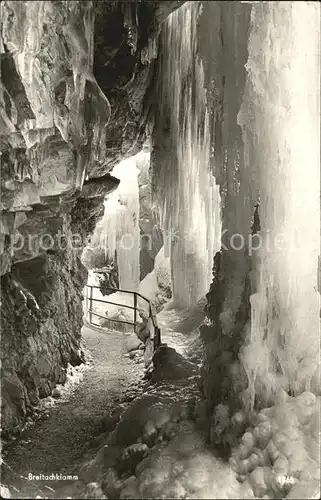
70, 438
58, 442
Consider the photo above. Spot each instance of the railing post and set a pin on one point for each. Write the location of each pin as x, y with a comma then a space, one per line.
135, 311
91, 305
86, 302
157, 338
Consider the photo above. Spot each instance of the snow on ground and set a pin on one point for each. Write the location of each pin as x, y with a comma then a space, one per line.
180, 328
151, 287
148, 288
159, 450
61, 393
67, 432
74, 376
156, 451
278, 456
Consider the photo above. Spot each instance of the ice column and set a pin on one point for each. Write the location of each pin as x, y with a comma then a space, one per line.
280, 118
185, 189
120, 232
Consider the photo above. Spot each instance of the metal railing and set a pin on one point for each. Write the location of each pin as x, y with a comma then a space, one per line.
154, 334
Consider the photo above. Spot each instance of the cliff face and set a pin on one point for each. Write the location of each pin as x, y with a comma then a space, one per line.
75, 81
228, 306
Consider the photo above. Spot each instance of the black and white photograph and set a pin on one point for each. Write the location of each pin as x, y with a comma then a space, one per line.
160, 249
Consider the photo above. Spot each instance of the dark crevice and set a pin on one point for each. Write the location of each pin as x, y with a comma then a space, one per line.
14, 87
113, 61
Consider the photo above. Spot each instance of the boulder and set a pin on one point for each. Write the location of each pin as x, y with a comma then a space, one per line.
170, 365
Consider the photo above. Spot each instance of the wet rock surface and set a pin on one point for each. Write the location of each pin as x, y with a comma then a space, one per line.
41, 338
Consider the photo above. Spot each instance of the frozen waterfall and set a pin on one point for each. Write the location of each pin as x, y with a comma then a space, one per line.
280, 121
186, 191
120, 225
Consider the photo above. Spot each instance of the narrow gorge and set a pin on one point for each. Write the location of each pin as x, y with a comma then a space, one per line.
160, 173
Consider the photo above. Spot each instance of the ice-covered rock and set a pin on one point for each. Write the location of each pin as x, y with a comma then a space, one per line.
149, 434
111, 484
4, 492
93, 491
288, 453
132, 456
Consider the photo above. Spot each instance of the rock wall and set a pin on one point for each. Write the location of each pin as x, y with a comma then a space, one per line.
228, 307
231, 325
74, 97
41, 323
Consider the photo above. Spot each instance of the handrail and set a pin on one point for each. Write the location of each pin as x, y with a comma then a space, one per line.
135, 308
110, 288
113, 303
119, 290
110, 319
142, 297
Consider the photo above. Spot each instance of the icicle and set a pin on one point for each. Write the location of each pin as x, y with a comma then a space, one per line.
185, 189
280, 121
